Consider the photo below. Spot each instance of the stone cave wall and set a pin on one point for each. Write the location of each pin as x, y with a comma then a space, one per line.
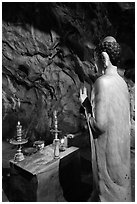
47, 54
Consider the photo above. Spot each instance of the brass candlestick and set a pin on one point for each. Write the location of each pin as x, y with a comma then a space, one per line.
19, 141
56, 140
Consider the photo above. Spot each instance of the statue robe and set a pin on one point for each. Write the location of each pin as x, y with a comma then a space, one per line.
111, 132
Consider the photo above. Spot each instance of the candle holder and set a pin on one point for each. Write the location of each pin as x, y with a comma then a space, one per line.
19, 142
56, 140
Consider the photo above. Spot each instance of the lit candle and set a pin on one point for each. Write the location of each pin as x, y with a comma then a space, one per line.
19, 131
62, 141
56, 124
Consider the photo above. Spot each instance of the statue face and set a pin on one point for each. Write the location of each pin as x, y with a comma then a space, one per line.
99, 63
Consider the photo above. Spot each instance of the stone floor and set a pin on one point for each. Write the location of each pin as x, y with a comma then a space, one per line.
8, 152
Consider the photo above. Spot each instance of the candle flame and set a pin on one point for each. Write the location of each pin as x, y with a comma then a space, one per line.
62, 141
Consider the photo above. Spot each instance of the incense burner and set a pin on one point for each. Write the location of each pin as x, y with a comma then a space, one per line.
39, 144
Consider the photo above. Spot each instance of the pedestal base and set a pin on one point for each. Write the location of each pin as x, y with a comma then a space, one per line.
18, 157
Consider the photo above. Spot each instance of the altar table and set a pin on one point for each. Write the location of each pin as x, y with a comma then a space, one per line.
41, 178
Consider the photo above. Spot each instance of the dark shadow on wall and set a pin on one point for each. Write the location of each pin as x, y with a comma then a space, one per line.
44, 17
73, 30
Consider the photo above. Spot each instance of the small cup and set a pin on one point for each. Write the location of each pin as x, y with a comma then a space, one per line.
39, 145
63, 144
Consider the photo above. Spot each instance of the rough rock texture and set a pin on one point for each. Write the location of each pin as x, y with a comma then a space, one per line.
47, 53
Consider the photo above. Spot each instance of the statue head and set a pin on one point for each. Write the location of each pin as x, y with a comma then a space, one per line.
109, 50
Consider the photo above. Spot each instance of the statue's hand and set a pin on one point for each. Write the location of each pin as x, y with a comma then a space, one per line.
83, 94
